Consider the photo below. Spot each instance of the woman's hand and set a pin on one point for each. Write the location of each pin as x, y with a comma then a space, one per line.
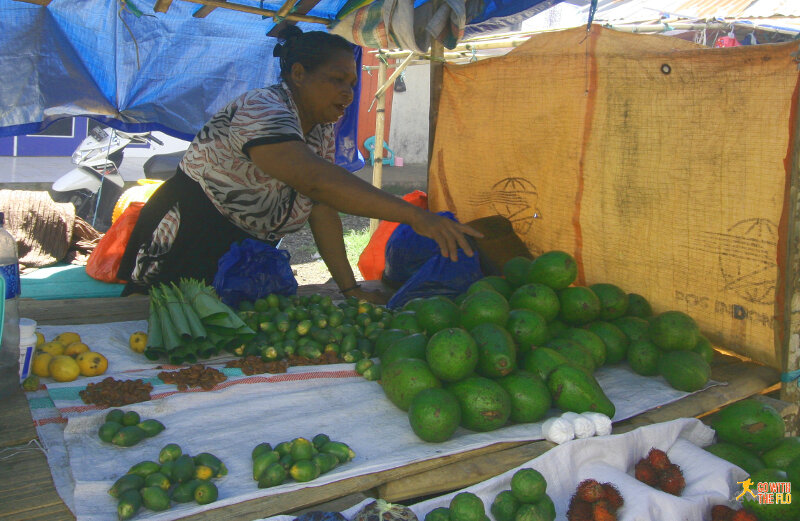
376, 297
448, 234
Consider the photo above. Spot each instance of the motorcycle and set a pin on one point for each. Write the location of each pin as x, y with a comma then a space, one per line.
95, 185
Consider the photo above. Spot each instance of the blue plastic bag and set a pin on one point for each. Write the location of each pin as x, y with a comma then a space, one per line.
407, 251
252, 269
439, 276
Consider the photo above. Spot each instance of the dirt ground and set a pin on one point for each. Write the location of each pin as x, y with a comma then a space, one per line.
306, 264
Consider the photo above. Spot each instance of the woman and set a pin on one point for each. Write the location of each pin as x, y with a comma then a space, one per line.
261, 168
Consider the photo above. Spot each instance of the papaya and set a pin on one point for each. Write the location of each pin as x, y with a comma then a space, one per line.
262, 461
145, 468
530, 398
410, 346
643, 356
129, 503
542, 361
704, 348
684, 370
183, 468
635, 328
613, 301
574, 390
588, 340
739, 456
485, 405
574, 353
155, 498
615, 340
770, 511
128, 436
272, 476
674, 331
342, 452
151, 427
434, 415
126, 482
404, 378
497, 354
211, 461
184, 492
578, 305
750, 424
782, 454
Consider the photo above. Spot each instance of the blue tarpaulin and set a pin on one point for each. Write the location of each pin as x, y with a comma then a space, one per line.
137, 70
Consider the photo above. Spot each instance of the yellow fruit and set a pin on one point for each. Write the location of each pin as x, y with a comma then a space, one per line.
75, 348
64, 368
68, 338
91, 363
41, 363
138, 341
203, 472
39, 339
53, 347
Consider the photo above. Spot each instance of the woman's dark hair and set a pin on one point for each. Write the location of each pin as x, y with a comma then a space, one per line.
310, 49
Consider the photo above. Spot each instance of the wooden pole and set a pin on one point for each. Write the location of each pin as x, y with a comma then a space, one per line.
377, 168
437, 74
790, 347
263, 12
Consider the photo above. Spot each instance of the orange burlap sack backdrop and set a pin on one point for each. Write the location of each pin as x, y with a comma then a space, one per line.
659, 164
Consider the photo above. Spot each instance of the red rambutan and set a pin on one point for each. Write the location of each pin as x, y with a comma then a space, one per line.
741, 515
579, 510
658, 459
603, 511
645, 473
612, 495
589, 490
722, 513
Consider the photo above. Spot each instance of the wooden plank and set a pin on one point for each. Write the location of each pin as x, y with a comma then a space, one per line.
28, 490
135, 307
744, 379
263, 12
299, 499
162, 6
302, 7
43, 3
204, 11
789, 344
21, 429
85, 310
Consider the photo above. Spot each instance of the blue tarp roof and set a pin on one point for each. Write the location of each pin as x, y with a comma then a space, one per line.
156, 71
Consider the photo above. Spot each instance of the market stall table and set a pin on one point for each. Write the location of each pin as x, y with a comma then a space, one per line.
28, 492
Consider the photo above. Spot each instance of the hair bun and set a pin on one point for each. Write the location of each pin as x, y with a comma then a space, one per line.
290, 32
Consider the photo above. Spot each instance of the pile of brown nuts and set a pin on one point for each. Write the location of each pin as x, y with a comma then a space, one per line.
255, 365
115, 393
197, 375
328, 357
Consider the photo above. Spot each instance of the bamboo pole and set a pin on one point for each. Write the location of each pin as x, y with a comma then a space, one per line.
285, 8
162, 6
263, 12
390, 81
377, 167
790, 347
437, 75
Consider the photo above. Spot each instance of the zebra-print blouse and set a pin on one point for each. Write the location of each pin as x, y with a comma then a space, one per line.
218, 159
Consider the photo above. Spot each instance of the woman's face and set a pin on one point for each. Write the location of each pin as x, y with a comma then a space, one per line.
323, 94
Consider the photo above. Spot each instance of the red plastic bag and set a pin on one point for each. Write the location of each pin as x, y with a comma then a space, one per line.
104, 261
373, 258
726, 41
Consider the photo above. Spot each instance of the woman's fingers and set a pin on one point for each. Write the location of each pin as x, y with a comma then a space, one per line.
448, 234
